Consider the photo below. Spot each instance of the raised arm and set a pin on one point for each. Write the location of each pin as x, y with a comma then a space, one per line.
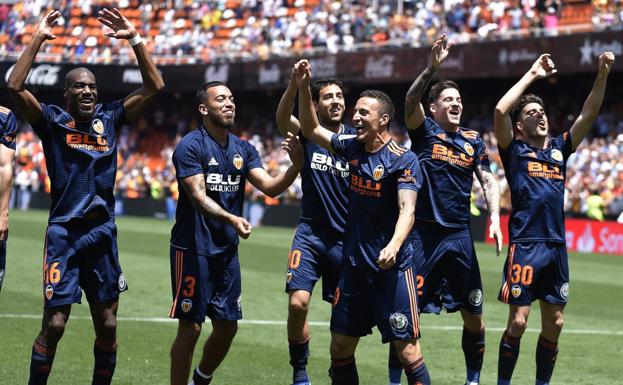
591, 107
273, 186
414, 111
310, 127
122, 28
502, 125
6, 184
492, 197
195, 188
406, 218
25, 102
285, 121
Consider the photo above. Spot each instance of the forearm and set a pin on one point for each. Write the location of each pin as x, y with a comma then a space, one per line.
492, 195
281, 182
417, 89
405, 222
595, 97
285, 108
17, 79
307, 113
210, 208
152, 80
511, 97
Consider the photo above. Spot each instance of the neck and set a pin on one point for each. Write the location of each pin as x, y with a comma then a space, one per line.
331, 125
536, 141
218, 132
449, 127
77, 117
379, 141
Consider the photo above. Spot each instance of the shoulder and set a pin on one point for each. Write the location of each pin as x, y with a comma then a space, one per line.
471, 136
400, 156
5, 111
190, 140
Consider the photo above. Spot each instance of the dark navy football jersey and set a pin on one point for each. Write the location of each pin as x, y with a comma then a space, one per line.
536, 178
225, 170
448, 162
375, 179
325, 185
81, 159
8, 128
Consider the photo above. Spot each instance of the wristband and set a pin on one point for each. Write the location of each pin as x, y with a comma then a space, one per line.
135, 40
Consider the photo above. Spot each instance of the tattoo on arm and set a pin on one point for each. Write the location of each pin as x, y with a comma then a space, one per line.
490, 188
417, 89
196, 189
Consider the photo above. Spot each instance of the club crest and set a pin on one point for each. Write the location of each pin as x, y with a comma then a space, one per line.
557, 155
469, 149
123, 285
49, 292
378, 172
564, 290
516, 291
475, 297
98, 126
398, 322
238, 162
187, 304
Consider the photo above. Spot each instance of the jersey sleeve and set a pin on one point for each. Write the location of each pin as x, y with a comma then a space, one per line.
42, 127
117, 111
9, 131
187, 159
419, 133
253, 157
343, 144
482, 155
564, 144
410, 175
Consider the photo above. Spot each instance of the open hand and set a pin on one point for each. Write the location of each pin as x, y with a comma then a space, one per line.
439, 52
543, 67
121, 27
292, 145
302, 73
47, 23
495, 232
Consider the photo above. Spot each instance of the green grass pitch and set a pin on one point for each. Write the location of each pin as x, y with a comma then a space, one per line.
591, 345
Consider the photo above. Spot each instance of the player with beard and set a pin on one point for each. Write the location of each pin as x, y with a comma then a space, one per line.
450, 155
377, 282
537, 267
8, 131
317, 246
80, 148
212, 165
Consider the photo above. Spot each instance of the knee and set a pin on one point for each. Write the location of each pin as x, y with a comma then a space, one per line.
109, 325
189, 331
518, 325
474, 324
298, 305
54, 329
340, 350
553, 325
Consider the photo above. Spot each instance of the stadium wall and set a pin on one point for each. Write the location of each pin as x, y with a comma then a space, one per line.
575, 53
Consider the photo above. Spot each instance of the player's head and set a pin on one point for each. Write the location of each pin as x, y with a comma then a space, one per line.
528, 117
444, 102
81, 93
216, 105
373, 115
328, 99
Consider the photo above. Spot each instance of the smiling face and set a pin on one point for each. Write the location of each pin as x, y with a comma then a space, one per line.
368, 120
532, 122
81, 93
218, 107
447, 108
330, 105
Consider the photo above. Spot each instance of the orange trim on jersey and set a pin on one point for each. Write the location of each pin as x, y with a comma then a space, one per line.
179, 263
415, 317
396, 149
45, 257
470, 134
4, 110
509, 269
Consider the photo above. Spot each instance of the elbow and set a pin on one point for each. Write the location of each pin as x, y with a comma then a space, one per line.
272, 193
500, 110
13, 86
158, 86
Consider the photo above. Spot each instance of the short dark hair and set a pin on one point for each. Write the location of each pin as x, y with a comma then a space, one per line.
438, 88
387, 105
203, 91
322, 83
70, 77
521, 103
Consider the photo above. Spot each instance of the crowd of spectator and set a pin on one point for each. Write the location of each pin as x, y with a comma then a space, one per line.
190, 31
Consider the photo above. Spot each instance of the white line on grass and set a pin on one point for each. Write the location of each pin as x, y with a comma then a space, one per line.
315, 323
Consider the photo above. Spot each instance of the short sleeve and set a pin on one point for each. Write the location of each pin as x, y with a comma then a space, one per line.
9, 131
342, 144
410, 175
482, 156
42, 127
417, 135
187, 159
563, 143
117, 111
253, 157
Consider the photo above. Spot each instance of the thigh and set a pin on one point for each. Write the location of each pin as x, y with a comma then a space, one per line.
462, 276
190, 285
101, 276
395, 305
225, 302
61, 268
352, 314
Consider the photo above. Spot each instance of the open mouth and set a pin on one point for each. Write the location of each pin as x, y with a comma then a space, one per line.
229, 113
86, 103
455, 113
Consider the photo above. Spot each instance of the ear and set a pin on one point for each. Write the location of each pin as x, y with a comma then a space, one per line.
203, 110
65, 92
316, 106
432, 107
384, 120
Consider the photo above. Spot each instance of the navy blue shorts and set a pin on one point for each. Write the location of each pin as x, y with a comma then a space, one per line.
316, 252
2, 261
535, 270
387, 299
205, 286
449, 275
81, 257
